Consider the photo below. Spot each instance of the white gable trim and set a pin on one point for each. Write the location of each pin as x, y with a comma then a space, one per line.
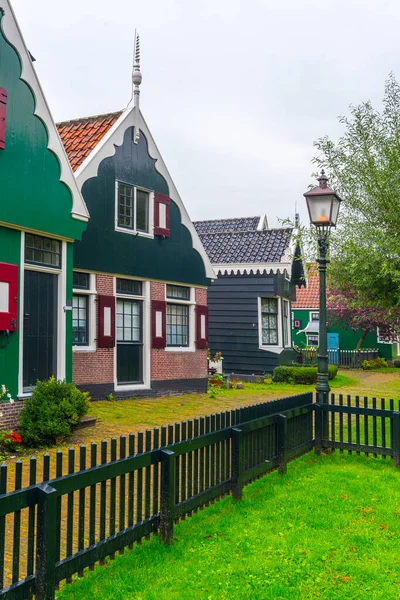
252, 268
13, 35
106, 148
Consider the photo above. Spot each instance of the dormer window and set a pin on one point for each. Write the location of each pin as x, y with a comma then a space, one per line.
132, 208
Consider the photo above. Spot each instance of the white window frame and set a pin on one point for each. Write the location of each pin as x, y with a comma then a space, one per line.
192, 330
313, 313
288, 324
278, 347
145, 297
312, 335
133, 231
92, 296
383, 340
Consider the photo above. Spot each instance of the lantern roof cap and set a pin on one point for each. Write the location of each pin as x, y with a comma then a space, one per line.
322, 189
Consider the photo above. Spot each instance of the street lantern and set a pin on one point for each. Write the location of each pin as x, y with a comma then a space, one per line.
323, 204
323, 207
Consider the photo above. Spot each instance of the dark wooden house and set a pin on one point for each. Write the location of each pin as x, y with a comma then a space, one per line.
140, 272
249, 302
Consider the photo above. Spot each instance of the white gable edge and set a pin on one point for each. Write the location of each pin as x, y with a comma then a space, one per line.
252, 268
107, 147
13, 35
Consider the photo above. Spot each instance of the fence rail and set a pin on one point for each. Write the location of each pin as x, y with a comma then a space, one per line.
121, 492
359, 425
351, 359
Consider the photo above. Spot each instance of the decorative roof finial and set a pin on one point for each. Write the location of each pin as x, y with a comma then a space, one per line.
323, 180
136, 81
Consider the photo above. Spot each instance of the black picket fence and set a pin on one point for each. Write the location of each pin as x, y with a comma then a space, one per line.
59, 526
371, 426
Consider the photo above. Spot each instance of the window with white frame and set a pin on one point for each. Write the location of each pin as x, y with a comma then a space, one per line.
178, 316
314, 316
83, 311
132, 208
269, 322
312, 339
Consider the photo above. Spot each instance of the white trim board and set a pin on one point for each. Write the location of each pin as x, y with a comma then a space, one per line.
13, 35
107, 147
252, 268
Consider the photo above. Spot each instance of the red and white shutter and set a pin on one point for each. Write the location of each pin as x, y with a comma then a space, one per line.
161, 215
8, 297
201, 326
105, 321
3, 107
159, 323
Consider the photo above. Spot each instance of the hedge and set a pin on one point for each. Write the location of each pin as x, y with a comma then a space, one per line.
302, 375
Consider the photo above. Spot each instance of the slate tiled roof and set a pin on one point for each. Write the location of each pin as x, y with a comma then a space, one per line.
268, 246
80, 136
227, 225
308, 297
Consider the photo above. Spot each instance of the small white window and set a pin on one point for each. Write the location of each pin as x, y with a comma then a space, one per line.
133, 209
314, 316
312, 340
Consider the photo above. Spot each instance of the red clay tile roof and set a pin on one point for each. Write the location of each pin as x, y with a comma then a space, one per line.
80, 136
308, 297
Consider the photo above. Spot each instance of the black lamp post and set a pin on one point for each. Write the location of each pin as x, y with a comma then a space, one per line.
323, 208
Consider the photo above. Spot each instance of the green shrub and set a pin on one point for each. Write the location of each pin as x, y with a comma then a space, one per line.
375, 363
52, 412
302, 375
396, 363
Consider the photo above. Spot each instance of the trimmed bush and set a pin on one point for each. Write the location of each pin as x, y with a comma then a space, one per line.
375, 363
396, 363
52, 412
302, 375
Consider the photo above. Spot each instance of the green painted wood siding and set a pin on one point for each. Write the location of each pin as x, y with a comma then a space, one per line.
32, 195
106, 250
348, 338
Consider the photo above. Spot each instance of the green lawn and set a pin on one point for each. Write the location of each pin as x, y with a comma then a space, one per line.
328, 529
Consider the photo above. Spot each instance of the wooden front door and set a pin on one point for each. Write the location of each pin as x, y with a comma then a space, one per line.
40, 327
129, 341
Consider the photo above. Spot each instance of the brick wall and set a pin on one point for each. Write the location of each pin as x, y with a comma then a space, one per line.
166, 364
10, 414
98, 366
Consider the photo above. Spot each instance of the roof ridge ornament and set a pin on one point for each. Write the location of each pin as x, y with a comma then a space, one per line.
136, 81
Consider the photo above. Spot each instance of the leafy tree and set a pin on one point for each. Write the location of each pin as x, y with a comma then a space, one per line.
364, 168
344, 308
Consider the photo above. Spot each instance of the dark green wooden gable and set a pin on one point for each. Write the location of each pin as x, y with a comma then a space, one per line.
31, 193
106, 250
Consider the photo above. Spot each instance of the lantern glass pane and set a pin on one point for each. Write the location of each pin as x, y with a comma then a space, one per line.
335, 211
320, 209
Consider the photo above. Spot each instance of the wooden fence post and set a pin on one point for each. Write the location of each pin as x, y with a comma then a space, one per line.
167, 500
237, 463
46, 542
282, 444
318, 428
396, 438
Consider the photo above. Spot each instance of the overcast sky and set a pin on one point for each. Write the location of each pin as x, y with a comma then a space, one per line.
234, 92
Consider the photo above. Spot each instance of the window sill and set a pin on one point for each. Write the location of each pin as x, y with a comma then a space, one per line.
180, 349
134, 233
274, 349
83, 349
131, 387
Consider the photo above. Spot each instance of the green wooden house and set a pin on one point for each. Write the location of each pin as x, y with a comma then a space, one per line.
41, 213
305, 325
